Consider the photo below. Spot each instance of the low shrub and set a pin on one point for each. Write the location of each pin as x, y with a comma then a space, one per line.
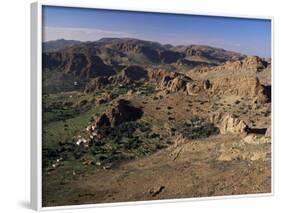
197, 128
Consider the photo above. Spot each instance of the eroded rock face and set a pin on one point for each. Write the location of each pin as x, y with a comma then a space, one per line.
158, 74
193, 88
77, 63
179, 83
250, 63
128, 75
122, 111
243, 85
174, 82
227, 123
255, 63
133, 73
96, 83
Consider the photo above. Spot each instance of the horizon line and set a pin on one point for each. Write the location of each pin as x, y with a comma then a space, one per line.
161, 43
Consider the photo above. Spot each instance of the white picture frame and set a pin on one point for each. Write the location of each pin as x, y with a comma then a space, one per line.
36, 103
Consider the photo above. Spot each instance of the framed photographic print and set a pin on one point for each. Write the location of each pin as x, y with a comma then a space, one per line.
133, 105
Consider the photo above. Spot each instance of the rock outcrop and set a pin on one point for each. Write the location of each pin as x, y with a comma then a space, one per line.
180, 82
96, 83
256, 139
77, 63
227, 123
255, 63
157, 75
193, 88
122, 111
240, 85
250, 148
134, 73
174, 84
128, 75
250, 63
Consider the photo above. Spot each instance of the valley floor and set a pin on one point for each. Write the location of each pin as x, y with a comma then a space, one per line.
186, 169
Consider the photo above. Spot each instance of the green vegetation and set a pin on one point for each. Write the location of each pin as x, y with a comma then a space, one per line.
147, 89
197, 128
117, 144
55, 81
63, 106
67, 114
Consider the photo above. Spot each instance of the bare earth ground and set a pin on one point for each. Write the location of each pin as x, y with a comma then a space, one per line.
182, 171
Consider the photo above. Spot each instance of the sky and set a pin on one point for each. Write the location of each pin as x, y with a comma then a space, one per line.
247, 36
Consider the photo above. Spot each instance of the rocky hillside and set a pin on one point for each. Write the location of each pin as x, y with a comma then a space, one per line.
59, 44
116, 51
207, 53
71, 63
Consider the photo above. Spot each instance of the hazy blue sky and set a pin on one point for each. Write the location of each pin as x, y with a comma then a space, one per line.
248, 36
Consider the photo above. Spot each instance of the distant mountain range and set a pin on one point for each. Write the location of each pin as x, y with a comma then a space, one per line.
59, 44
69, 61
123, 51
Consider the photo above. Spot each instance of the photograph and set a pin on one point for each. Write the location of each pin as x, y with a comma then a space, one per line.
146, 106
